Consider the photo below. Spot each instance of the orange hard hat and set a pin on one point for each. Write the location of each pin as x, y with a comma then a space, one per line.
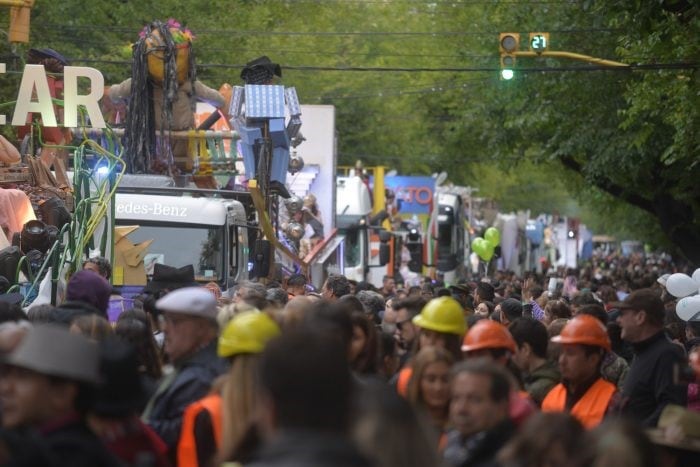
585, 330
488, 334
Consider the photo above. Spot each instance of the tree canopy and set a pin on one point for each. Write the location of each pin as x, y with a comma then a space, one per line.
416, 88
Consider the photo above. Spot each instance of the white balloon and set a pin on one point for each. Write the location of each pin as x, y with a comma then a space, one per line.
688, 307
696, 276
681, 285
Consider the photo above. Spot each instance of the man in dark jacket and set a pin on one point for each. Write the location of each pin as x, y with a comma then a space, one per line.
191, 333
479, 413
46, 388
540, 374
306, 392
649, 385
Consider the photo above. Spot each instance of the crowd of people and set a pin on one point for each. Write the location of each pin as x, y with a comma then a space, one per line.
585, 367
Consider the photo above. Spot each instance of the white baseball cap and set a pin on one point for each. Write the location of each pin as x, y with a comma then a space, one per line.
193, 301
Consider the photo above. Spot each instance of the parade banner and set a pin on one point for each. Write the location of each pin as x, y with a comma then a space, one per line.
414, 192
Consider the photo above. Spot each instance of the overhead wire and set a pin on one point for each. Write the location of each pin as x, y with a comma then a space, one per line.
647, 66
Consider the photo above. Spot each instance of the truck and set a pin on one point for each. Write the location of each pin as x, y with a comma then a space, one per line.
185, 226
450, 235
229, 221
369, 251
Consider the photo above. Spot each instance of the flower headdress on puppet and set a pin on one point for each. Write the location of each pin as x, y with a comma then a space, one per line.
161, 57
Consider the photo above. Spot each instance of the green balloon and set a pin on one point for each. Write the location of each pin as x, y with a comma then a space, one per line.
493, 236
478, 246
488, 252
482, 248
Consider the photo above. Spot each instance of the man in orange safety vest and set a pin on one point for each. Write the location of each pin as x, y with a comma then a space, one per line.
582, 392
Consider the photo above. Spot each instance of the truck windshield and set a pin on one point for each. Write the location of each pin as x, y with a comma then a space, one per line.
353, 247
178, 245
444, 239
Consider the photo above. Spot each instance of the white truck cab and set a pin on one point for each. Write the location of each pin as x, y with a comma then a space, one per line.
353, 207
208, 233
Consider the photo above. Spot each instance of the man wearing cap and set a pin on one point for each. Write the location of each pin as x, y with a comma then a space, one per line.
583, 392
191, 333
650, 385
47, 385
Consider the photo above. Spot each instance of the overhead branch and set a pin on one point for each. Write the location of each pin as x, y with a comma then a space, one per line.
611, 187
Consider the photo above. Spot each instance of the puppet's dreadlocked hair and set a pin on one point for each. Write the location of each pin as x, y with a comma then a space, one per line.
140, 124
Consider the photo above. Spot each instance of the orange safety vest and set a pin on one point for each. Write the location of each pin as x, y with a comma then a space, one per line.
590, 409
402, 383
187, 446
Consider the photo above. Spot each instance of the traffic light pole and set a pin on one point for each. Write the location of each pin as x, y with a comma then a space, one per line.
572, 56
509, 44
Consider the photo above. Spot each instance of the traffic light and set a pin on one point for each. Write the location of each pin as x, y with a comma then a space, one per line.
539, 42
414, 244
19, 22
508, 45
572, 227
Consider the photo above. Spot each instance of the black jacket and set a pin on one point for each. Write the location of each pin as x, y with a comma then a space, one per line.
72, 443
23, 447
649, 386
478, 450
65, 313
192, 382
309, 449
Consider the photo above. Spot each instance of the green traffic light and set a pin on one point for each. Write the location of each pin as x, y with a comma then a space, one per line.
507, 74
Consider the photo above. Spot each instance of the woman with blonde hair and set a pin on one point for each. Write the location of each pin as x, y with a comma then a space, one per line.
429, 386
222, 420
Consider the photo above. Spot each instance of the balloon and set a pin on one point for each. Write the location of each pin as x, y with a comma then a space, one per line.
696, 276
688, 307
482, 248
681, 285
478, 245
488, 251
493, 236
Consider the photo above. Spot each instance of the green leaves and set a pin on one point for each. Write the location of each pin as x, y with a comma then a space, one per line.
553, 132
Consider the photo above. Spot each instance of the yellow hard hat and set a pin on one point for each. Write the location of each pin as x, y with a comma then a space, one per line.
247, 332
442, 314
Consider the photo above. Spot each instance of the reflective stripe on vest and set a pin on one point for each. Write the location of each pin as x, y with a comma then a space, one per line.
187, 445
402, 382
590, 409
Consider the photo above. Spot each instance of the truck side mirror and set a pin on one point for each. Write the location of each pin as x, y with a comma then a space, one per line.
384, 250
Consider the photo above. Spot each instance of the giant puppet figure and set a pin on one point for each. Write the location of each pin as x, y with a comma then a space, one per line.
162, 94
258, 110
